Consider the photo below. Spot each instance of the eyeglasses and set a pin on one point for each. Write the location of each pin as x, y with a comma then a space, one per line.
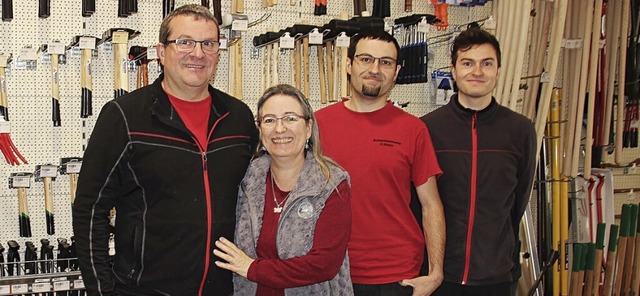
270, 121
368, 60
188, 45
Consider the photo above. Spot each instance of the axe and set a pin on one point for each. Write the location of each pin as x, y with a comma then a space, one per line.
22, 181
71, 166
119, 38
46, 174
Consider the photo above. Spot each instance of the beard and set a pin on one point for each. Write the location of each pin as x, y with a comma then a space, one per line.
371, 91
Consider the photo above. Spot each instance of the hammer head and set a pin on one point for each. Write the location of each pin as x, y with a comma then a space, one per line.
23, 175
138, 54
66, 162
44, 171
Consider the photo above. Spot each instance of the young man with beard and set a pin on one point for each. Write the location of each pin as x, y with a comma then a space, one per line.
384, 149
487, 154
169, 157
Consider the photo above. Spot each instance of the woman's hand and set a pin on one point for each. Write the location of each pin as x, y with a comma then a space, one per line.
237, 260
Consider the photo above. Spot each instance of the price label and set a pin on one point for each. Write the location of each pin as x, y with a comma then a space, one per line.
21, 181
41, 287
55, 48
343, 40
30, 54
423, 26
5, 290
87, 43
5, 127
61, 286
287, 42
120, 37
315, 37
240, 25
152, 53
74, 167
48, 171
19, 289
545, 77
78, 284
224, 42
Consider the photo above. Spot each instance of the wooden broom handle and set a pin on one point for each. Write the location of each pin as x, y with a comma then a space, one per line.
323, 91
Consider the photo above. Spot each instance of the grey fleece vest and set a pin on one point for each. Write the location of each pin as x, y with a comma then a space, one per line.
296, 225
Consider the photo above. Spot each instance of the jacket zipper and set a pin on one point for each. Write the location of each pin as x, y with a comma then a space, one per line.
207, 188
472, 201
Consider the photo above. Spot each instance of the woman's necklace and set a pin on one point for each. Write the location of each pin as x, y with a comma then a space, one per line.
278, 208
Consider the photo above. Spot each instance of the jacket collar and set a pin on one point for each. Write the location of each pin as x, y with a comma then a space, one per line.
464, 112
308, 180
163, 109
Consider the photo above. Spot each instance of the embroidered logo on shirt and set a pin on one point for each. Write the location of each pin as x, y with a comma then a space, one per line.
389, 143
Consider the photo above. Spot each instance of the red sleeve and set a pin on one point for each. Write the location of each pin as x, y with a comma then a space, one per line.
325, 257
425, 163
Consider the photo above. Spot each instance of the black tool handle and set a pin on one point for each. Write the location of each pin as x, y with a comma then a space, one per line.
7, 10
44, 10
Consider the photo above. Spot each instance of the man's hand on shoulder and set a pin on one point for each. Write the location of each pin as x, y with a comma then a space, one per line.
423, 285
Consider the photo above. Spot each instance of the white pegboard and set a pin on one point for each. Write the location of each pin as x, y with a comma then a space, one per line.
29, 91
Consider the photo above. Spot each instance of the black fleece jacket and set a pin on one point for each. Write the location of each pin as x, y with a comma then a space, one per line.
142, 159
488, 162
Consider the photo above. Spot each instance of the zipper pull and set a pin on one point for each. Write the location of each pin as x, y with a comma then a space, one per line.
204, 160
473, 120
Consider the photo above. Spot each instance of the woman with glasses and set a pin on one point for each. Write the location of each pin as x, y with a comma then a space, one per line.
294, 208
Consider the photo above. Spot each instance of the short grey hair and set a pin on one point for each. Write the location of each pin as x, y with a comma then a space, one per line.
195, 10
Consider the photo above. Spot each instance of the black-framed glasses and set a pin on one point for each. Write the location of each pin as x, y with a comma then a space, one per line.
270, 121
188, 45
368, 60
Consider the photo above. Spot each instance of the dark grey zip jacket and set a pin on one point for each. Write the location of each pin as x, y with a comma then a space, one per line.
488, 161
142, 159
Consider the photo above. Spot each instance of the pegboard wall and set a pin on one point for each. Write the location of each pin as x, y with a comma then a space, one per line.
29, 91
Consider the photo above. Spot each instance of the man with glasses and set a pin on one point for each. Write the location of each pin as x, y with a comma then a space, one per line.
169, 157
384, 150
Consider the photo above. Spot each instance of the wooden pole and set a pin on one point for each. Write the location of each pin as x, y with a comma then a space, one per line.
593, 75
620, 114
612, 255
599, 254
614, 8
622, 249
513, 94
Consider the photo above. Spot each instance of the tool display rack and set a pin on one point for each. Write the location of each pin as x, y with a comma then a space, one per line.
39, 282
29, 91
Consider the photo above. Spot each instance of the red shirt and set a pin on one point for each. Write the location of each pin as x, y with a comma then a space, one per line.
383, 151
195, 116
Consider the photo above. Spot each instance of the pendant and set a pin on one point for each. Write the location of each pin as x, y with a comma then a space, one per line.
277, 210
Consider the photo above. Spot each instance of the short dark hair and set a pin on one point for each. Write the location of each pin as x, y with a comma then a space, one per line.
195, 10
473, 37
374, 35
